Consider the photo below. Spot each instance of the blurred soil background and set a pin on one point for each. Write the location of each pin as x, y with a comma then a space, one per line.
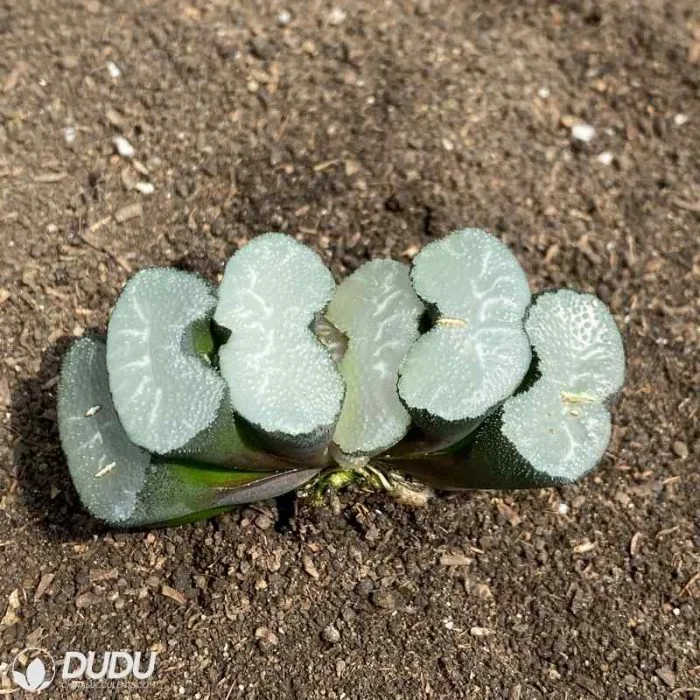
367, 128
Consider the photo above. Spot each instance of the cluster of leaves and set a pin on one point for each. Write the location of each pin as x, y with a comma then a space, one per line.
448, 371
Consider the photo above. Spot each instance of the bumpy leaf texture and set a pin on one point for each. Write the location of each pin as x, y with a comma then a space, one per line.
108, 470
121, 483
561, 425
379, 312
477, 352
164, 391
282, 380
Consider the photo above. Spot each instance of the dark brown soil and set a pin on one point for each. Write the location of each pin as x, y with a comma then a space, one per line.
367, 132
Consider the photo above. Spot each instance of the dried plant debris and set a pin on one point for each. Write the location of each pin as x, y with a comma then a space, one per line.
477, 352
282, 379
123, 484
164, 389
334, 340
379, 312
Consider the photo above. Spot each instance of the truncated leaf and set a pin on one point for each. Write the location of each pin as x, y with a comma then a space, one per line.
123, 484
164, 391
378, 310
282, 380
477, 352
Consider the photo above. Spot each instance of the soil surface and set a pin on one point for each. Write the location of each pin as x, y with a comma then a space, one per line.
368, 129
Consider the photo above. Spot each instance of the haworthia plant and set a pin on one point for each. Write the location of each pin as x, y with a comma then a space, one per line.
123, 484
228, 443
163, 388
282, 379
557, 428
378, 311
477, 352
108, 470
168, 396
561, 425
449, 374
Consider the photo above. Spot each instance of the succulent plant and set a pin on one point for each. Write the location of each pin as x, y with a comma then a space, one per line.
378, 311
556, 427
122, 483
283, 380
445, 375
476, 354
162, 384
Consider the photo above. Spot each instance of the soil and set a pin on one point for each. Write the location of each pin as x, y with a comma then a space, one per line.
367, 129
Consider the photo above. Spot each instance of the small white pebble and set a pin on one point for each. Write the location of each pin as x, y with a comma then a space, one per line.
544, 92
113, 69
676, 611
92, 411
606, 158
563, 508
69, 134
337, 16
449, 624
448, 145
330, 634
583, 132
284, 18
145, 187
680, 119
124, 148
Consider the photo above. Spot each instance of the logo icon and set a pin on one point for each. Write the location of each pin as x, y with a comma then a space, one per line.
33, 669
